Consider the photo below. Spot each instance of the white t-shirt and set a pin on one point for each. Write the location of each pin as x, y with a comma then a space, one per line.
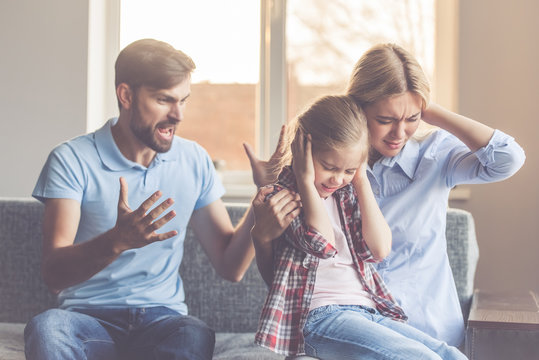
337, 279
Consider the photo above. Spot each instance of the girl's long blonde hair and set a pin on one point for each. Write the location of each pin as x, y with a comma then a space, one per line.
333, 122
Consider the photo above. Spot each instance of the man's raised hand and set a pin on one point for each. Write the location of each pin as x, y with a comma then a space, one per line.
136, 228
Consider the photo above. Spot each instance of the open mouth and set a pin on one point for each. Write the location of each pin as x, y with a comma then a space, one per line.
166, 133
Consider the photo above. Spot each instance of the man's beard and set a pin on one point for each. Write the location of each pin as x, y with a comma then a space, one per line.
146, 134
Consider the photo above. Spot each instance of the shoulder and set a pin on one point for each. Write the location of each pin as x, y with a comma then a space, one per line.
75, 148
437, 143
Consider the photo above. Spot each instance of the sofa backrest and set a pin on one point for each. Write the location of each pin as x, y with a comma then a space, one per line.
224, 306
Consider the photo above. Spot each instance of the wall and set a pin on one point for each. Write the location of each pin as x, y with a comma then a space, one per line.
43, 102
498, 82
43, 83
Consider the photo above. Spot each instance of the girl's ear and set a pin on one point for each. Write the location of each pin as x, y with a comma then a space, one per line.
124, 95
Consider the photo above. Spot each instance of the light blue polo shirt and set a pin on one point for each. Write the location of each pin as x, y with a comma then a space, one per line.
412, 190
87, 169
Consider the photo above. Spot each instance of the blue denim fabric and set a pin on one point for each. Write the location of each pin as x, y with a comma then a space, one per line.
358, 332
112, 334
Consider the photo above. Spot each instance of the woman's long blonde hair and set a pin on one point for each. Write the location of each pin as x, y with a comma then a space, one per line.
333, 122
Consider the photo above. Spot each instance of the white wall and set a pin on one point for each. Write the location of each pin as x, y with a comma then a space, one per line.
498, 84
42, 84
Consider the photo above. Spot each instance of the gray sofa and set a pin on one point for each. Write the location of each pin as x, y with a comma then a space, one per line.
231, 309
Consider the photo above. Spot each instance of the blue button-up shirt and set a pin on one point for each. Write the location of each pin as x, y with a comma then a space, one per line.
412, 190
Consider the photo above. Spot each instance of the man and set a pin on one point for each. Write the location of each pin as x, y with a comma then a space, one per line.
112, 246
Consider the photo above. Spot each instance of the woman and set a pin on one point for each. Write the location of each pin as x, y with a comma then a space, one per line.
411, 173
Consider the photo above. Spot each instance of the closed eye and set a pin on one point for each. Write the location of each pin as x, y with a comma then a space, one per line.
384, 120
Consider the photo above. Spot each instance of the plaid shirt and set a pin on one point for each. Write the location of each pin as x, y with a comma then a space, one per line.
296, 257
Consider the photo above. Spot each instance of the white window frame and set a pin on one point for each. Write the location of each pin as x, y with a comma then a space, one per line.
104, 40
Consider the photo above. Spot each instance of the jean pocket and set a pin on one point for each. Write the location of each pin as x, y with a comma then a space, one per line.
315, 315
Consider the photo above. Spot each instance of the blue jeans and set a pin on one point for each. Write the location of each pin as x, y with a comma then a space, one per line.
358, 332
111, 334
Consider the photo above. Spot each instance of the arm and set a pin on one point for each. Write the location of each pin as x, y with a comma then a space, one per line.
65, 264
374, 227
229, 250
472, 133
315, 216
497, 155
272, 217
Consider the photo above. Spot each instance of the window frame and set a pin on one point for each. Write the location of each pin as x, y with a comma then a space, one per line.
104, 39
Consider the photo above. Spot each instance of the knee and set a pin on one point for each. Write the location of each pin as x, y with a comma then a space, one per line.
191, 339
46, 323
43, 333
199, 332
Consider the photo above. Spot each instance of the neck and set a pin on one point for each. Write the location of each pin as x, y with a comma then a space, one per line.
130, 146
374, 156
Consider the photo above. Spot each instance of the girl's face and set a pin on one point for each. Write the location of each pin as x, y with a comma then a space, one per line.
392, 121
335, 168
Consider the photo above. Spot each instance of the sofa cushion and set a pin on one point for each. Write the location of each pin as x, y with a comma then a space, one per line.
11, 341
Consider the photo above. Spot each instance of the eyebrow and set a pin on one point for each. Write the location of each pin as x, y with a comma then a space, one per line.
328, 165
394, 118
172, 98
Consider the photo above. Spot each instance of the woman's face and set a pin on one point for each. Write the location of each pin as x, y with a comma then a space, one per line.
392, 121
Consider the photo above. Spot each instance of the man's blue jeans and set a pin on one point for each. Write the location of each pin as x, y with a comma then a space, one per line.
358, 332
130, 333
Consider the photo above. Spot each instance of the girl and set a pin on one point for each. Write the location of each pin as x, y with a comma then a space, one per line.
326, 299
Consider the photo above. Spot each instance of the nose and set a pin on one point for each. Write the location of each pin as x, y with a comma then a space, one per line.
177, 112
337, 179
398, 129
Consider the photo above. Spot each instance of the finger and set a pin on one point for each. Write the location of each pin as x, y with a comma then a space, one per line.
263, 192
307, 142
291, 216
122, 199
148, 203
291, 206
279, 200
164, 236
280, 149
308, 149
253, 159
158, 210
261, 195
156, 225
297, 144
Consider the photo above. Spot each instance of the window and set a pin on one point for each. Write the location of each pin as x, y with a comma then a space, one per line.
259, 63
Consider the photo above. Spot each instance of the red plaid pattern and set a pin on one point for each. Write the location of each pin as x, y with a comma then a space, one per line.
296, 256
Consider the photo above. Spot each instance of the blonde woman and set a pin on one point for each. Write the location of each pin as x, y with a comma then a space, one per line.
411, 173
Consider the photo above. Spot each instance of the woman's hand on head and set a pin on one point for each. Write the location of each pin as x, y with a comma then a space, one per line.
433, 114
263, 173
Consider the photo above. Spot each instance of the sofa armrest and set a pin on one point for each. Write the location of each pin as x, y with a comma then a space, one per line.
463, 254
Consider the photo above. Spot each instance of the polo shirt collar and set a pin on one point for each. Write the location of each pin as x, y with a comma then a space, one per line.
112, 157
407, 159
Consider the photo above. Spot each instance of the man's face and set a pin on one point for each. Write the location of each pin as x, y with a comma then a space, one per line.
156, 113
